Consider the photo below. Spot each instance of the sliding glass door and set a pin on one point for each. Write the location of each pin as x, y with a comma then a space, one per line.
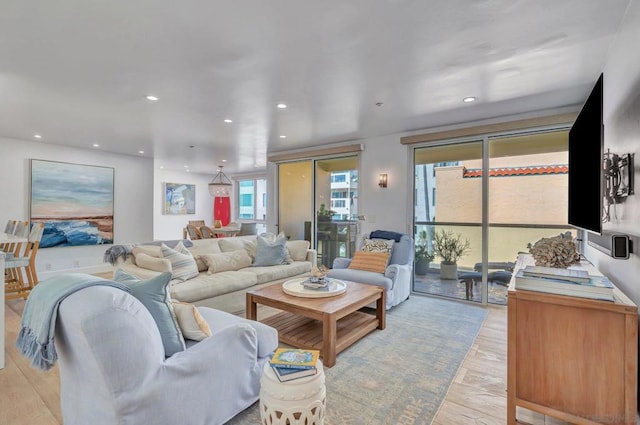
336, 201
318, 202
488, 220
448, 218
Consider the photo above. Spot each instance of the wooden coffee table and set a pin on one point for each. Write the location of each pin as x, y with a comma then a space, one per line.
328, 324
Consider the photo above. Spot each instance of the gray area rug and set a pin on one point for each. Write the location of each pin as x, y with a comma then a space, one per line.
402, 374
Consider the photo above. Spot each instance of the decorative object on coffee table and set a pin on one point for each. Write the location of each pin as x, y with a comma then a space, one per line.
296, 288
296, 402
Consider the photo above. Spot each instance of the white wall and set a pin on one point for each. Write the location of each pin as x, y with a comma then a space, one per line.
168, 227
133, 199
622, 135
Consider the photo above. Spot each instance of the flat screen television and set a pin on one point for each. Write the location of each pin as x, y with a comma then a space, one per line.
586, 150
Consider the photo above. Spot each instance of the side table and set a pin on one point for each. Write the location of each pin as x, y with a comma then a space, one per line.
296, 402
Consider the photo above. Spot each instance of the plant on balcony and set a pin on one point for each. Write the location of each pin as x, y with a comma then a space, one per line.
423, 255
325, 214
449, 247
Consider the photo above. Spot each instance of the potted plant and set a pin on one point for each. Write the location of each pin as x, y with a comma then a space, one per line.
423, 255
449, 247
325, 214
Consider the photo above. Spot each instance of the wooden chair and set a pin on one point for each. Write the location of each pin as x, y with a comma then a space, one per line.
206, 232
15, 286
21, 229
194, 232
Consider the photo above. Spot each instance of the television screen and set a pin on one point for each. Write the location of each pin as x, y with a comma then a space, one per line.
586, 150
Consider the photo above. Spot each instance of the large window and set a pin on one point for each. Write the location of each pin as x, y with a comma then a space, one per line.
499, 193
252, 195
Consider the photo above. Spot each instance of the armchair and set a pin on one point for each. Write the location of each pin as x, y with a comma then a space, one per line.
113, 368
397, 277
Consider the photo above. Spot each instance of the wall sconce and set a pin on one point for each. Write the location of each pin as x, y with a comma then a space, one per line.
382, 180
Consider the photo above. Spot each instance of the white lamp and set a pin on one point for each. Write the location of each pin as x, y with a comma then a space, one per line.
220, 184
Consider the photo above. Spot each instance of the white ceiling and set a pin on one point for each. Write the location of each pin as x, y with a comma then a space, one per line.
77, 72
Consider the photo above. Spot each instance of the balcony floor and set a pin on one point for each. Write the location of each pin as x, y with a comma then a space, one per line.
432, 284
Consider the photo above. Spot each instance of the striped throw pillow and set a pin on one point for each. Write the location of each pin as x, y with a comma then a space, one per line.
370, 261
183, 265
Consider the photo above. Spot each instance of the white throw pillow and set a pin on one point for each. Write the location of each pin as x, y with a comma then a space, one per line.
234, 244
152, 263
183, 265
191, 322
298, 249
226, 261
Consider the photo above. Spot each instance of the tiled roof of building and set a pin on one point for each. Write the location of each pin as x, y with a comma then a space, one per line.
533, 170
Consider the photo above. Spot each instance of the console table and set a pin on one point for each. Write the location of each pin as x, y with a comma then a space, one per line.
572, 358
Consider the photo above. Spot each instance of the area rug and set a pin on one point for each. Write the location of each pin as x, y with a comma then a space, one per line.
402, 374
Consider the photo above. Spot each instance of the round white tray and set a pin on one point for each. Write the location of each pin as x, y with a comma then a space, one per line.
294, 287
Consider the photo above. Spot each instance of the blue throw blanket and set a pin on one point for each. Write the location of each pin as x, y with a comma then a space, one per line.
37, 328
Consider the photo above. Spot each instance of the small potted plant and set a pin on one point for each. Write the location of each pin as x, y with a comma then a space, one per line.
325, 214
423, 255
449, 247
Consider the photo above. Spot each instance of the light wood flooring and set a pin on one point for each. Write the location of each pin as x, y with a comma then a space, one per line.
477, 395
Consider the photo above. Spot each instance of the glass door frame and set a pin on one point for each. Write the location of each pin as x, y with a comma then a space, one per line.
485, 139
314, 204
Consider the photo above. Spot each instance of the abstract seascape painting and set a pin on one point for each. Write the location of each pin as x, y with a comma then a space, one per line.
75, 202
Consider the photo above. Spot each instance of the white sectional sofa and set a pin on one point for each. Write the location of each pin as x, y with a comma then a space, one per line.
224, 274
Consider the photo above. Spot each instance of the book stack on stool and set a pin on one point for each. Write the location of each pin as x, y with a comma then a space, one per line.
292, 389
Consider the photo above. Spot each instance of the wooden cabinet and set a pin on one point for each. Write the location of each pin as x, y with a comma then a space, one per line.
572, 358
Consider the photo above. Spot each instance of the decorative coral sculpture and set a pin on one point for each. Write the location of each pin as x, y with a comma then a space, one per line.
559, 251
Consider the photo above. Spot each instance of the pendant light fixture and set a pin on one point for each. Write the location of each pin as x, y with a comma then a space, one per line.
220, 184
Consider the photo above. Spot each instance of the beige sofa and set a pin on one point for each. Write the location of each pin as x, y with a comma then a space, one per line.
225, 272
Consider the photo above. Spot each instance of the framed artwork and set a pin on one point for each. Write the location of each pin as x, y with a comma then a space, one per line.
179, 198
74, 201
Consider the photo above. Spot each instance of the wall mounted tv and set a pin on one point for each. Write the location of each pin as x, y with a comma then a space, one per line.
586, 150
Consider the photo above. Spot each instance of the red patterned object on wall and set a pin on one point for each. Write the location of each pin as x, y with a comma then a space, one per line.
222, 209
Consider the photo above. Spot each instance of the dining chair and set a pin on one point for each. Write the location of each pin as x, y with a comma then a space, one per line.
194, 232
13, 249
15, 286
206, 232
8, 229
247, 229
11, 225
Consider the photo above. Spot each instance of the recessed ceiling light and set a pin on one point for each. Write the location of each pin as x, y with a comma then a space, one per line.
140, 152
228, 120
95, 145
162, 167
281, 105
152, 97
469, 99
37, 136
282, 136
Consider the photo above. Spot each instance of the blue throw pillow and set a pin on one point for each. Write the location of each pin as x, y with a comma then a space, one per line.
271, 251
154, 295
385, 234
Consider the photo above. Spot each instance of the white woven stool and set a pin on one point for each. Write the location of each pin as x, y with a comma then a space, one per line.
295, 402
